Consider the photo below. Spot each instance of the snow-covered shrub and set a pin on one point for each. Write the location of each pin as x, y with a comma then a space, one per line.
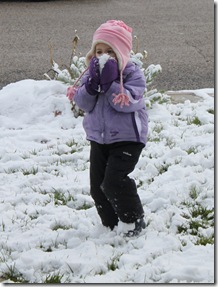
66, 74
151, 95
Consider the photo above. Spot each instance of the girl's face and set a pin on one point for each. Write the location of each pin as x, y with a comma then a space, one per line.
102, 48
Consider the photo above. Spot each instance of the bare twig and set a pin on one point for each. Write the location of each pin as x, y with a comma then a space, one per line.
75, 43
137, 44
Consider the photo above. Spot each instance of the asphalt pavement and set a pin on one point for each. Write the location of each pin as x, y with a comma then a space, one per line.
177, 34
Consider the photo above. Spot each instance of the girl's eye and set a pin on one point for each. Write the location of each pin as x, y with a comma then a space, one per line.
99, 52
110, 52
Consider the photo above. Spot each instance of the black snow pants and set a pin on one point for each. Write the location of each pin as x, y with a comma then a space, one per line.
114, 192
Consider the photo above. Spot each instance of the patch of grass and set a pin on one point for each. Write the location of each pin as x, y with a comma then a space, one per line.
178, 160
192, 150
73, 145
170, 142
57, 226
154, 139
5, 252
198, 218
11, 170
140, 183
206, 214
158, 128
85, 206
194, 121
60, 198
211, 111
45, 249
60, 162
33, 152
73, 150
3, 226
150, 180
33, 171
13, 274
163, 168
54, 278
113, 264
202, 240
193, 192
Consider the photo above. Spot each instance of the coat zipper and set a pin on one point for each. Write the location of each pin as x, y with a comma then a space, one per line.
103, 121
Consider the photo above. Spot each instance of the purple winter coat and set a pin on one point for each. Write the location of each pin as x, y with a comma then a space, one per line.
107, 123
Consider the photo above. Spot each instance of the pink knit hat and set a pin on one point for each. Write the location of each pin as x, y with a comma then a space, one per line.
118, 36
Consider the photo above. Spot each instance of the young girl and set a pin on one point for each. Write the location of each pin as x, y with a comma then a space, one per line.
111, 95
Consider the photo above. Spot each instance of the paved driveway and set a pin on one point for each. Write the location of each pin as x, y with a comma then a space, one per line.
177, 34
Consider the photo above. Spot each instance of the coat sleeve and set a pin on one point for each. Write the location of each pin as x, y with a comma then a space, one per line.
83, 99
134, 87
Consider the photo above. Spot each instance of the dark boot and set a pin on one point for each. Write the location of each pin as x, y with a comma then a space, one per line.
139, 225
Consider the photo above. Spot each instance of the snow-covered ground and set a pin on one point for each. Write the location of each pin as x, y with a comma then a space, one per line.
49, 228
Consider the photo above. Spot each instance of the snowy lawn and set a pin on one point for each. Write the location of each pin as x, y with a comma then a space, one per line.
49, 229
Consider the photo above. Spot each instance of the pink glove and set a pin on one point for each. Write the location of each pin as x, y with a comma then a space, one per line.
71, 92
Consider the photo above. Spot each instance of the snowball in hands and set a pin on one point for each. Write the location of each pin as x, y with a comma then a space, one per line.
102, 60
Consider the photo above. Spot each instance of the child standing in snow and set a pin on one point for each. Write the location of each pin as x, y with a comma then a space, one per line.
111, 94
